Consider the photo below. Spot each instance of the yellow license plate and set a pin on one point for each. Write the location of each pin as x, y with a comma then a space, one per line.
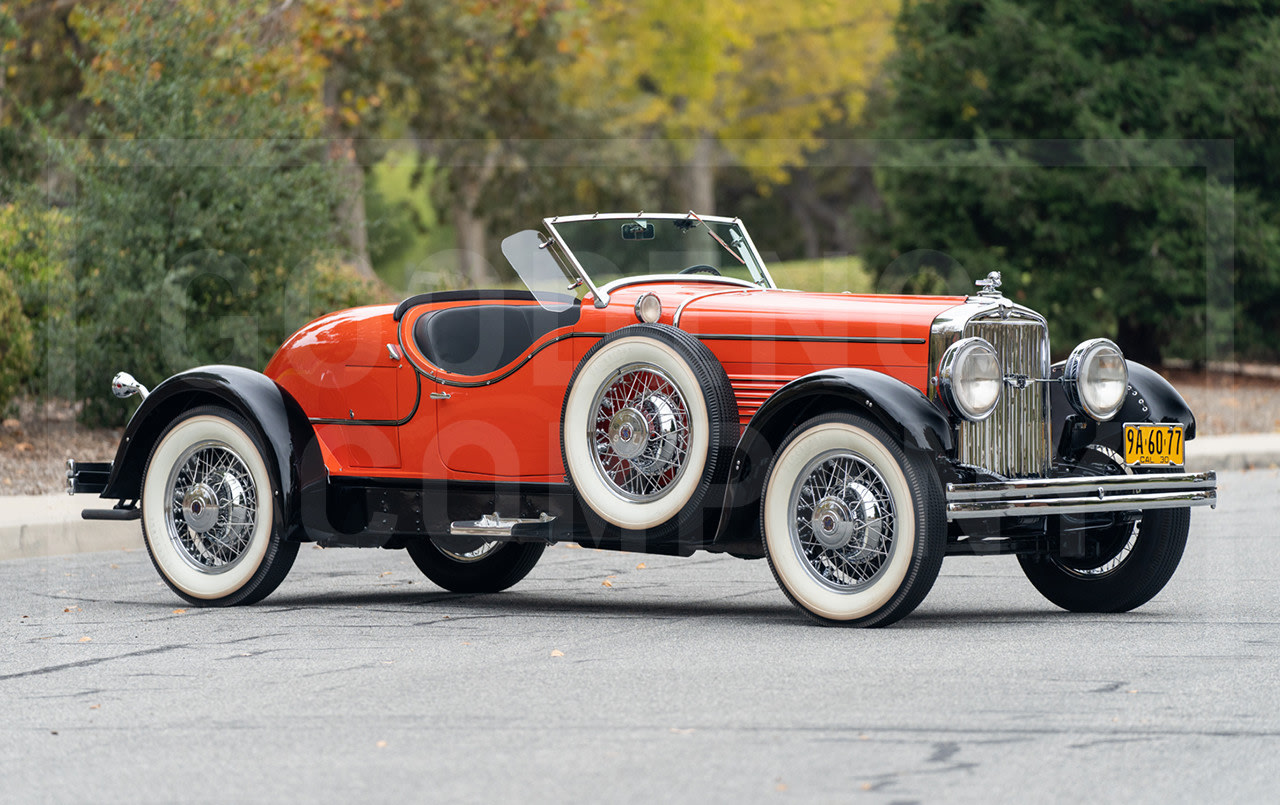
1153, 444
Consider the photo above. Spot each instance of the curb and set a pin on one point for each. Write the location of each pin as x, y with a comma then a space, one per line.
50, 525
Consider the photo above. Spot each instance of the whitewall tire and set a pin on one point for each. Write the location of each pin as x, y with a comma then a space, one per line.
854, 526
648, 425
209, 511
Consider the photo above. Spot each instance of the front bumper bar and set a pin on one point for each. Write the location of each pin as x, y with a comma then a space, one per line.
1030, 497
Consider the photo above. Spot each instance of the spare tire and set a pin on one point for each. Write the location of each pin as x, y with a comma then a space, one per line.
648, 428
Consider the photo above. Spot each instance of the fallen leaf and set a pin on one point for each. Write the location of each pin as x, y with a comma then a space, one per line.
114, 567
95, 707
385, 573
555, 652
179, 612
23, 447
641, 566
12, 424
465, 643
85, 639
606, 583
381, 744
866, 786
780, 787
1133, 691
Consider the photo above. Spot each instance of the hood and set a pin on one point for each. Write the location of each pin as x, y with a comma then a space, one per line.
800, 315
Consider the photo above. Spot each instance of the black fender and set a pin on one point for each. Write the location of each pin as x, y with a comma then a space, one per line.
899, 408
293, 456
1150, 398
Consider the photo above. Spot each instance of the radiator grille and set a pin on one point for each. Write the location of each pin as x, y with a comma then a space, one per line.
1014, 440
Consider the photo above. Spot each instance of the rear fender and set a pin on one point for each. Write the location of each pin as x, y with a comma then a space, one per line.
293, 456
900, 409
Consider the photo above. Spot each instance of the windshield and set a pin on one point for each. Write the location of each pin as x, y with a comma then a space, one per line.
610, 248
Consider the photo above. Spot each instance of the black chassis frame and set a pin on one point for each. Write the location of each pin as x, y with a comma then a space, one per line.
376, 512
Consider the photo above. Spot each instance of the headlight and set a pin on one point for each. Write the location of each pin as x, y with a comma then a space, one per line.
649, 308
1096, 379
970, 378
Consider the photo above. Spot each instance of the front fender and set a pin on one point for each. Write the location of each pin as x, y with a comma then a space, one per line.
1150, 398
899, 408
292, 454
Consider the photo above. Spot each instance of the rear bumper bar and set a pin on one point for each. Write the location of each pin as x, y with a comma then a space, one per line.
1030, 497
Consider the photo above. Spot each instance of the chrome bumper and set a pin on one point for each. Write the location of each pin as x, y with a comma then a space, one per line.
1030, 497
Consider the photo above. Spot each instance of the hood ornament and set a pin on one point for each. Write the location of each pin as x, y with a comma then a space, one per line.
989, 286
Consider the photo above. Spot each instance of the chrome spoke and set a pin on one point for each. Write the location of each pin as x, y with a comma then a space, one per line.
641, 432
842, 520
213, 507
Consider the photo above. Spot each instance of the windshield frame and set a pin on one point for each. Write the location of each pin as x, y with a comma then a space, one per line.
601, 293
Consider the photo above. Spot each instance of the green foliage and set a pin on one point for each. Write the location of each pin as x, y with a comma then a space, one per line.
15, 343
1111, 211
203, 220
32, 252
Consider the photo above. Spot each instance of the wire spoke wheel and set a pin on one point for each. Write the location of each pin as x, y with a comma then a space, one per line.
842, 521
213, 507
854, 526
640, 432
648, 428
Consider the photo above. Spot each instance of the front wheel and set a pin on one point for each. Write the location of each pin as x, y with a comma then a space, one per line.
854, 526
482, 567
1136, 561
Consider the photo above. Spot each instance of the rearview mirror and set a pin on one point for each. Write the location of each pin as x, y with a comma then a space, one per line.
637, 231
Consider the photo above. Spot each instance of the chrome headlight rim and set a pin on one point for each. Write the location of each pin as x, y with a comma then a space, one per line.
956, 363
1075, 374
649, 308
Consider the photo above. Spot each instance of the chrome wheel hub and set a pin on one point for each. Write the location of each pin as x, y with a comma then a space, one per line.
640, 432
842, 521
200, 508
628, 433
213, 507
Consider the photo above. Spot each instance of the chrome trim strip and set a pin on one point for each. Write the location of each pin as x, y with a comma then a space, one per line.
614, 285
1111, 493
821, 339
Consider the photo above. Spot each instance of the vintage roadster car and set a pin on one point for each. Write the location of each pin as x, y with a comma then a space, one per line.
653, 390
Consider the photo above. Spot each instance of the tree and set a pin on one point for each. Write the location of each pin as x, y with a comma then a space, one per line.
1093, 152
755, 81
477, 84
203, 216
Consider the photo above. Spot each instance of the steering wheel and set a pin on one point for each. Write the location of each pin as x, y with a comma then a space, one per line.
701, 269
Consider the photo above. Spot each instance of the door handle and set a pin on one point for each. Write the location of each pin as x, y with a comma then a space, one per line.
440, 395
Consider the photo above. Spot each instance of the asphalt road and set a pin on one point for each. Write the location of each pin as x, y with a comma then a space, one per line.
688, 679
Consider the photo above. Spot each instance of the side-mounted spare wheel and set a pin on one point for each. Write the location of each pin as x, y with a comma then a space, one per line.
209, 511
854, 525
648, 424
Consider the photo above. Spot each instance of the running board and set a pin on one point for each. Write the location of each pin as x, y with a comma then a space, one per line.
494, 525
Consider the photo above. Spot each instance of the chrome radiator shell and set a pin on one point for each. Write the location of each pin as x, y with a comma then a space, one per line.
1014, 441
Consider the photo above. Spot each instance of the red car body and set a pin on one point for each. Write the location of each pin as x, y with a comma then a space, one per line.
853, 440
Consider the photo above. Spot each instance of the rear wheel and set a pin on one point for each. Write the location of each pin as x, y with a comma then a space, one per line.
853, 525
478, 567
208, 512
